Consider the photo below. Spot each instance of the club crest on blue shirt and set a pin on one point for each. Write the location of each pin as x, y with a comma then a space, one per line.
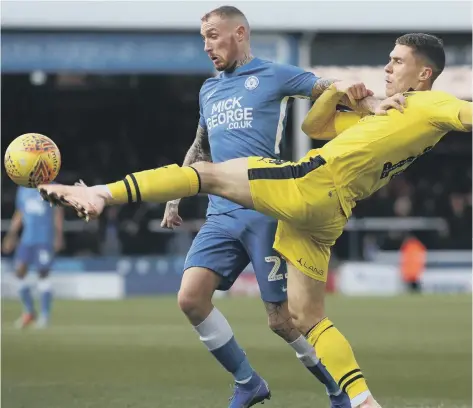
251, 83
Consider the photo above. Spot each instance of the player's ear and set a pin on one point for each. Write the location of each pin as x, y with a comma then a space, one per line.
240, 33
426, 73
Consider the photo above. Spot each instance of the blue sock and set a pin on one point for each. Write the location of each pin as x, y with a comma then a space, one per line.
46, 297
321, 373
217, 335
306, 354
233, 358
24, 292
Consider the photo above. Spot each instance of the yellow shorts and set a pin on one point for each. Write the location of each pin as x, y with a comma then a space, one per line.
302, 197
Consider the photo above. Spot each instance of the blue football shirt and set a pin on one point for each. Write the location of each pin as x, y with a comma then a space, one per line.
245, 113
37, 217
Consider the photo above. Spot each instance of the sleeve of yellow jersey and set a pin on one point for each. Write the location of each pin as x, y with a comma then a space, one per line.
449, 113
339, 123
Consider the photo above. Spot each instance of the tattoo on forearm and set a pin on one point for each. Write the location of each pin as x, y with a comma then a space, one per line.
281, 322
320, 86
200, 149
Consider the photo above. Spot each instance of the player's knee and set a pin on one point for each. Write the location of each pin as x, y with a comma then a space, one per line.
280, 325
279, 319
21, 271
187, 303
192, 303
195, 294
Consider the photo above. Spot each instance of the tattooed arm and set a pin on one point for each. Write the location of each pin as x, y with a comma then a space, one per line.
323, 121
320, 86
199, 151
365, 106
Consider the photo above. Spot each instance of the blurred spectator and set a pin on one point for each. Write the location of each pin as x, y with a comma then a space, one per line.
413, 260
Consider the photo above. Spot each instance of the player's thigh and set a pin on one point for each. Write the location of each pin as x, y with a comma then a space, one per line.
301, 249
216, 250
270, 269
307, 272
23, 258
325, 216
274, 187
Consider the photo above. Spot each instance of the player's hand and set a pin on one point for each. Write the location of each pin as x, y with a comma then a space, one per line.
88, 202
353, 90
171, 217
397, 101
9, 244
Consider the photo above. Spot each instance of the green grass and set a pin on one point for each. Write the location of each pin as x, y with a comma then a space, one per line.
415, 352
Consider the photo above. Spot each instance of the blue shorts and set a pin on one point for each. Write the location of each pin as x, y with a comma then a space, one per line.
227, 243
39, 256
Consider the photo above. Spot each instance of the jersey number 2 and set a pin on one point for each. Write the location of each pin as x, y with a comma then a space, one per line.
274, 275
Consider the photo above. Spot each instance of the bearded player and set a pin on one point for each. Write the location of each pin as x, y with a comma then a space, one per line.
313, 198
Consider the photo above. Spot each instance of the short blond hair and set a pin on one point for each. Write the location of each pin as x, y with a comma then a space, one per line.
227, 12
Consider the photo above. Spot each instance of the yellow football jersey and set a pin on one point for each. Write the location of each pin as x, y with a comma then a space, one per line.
367, 155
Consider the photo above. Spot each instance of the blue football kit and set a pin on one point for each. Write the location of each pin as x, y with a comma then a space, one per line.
245, 113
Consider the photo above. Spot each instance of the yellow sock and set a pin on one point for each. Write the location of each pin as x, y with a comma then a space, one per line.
157, 185
336, 354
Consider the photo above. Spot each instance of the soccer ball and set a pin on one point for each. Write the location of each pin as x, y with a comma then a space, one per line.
32, 159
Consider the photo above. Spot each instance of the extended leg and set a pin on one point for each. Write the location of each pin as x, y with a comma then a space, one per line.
228, 179
254, 182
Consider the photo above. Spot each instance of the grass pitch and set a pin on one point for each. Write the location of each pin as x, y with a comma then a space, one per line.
414, 351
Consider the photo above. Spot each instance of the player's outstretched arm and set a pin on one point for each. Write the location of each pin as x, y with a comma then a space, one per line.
320, 86
449, 113
198, 152
365, 105
323, 121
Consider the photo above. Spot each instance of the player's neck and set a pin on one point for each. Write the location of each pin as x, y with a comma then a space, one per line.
422, 86
243, 60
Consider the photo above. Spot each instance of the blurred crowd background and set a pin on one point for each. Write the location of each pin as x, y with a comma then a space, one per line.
120, 100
